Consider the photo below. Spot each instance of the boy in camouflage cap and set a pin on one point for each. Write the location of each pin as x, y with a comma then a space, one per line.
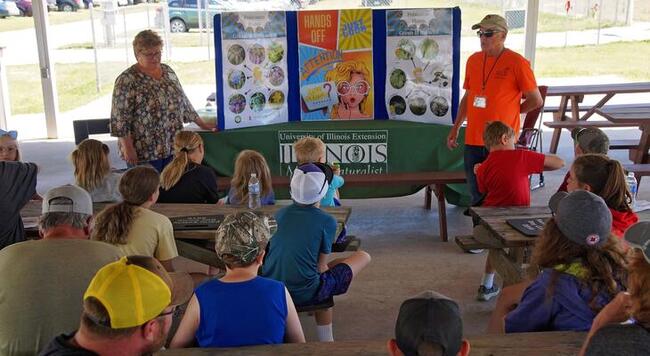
240, 308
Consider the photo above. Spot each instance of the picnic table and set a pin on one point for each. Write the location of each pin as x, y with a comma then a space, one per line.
511, 261
530, 344
637, 116
571, 96
196, 245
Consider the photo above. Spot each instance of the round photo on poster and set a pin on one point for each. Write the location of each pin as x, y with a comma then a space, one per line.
257, 102
405, 49
417, 105
236, 54
276, 52
236, 79
428, 49
397, 105
439, 106
276, 99
397, 78
256, 54
276, 76
237, 103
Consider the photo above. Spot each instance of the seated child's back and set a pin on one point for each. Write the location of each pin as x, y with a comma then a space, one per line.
304, 232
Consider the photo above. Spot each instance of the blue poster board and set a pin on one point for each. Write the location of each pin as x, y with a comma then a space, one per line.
260, 79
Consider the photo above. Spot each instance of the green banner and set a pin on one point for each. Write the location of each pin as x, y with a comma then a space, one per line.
357, 152
361, 147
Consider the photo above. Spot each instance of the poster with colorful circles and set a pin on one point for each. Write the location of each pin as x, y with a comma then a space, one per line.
336, 64
419, 65
254, 68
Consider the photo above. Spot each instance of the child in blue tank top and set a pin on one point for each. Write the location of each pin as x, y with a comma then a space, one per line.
240, 308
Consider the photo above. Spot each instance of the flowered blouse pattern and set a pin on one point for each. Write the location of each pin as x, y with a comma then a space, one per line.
151, 110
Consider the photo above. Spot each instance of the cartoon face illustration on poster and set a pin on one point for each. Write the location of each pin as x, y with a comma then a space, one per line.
419, 64
254, 68
335, 54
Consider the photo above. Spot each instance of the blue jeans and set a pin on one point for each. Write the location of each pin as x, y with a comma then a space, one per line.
157, 164
474, 155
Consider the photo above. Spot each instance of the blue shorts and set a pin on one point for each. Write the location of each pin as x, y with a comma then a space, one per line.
333, 282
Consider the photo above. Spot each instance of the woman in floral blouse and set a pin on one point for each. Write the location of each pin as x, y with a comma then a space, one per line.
149, 106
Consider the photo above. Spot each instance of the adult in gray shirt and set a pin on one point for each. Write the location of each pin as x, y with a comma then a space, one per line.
43, 282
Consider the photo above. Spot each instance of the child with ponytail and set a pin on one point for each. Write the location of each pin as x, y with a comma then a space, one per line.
247, 162
131, 226
185, 180
604, 177
92, 171
582, 267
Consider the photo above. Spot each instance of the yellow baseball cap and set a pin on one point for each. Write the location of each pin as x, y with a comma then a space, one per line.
137, 289
492, 21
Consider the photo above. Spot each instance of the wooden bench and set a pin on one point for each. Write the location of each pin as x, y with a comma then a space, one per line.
434, 181
556, 108
592, 123
556, 343
467, 242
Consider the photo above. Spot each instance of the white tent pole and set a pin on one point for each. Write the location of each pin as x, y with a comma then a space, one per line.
48, 80
532, 17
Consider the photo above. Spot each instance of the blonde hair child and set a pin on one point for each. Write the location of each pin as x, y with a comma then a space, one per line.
131, 226
184, 179
92, 171
247, 162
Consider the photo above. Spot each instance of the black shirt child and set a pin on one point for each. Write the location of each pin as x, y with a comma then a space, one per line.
197, 185
17, 186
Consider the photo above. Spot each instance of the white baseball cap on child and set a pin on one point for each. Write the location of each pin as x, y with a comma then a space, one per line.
308, 184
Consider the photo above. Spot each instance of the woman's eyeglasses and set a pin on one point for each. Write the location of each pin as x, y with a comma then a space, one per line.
151, 55
486, 34
345, 88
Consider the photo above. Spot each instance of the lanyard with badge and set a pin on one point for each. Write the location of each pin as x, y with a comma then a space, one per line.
480, 101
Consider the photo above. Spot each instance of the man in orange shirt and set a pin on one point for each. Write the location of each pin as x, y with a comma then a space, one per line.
495, 80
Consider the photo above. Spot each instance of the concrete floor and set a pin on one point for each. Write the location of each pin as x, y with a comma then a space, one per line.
399, 234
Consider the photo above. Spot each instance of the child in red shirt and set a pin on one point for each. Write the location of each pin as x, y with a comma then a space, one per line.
503, 178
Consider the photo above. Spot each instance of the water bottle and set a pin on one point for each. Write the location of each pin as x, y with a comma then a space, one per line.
254, 192
632, 185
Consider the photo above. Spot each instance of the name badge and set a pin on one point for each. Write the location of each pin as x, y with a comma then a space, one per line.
480, 102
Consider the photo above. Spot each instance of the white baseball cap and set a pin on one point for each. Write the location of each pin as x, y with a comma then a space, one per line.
75, 200
308, 184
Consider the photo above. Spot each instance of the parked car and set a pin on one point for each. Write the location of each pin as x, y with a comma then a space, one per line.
183, 13
8, 8
66, 5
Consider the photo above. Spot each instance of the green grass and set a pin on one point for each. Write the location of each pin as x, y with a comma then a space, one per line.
76, 82
188, 39
625, 59
14, 23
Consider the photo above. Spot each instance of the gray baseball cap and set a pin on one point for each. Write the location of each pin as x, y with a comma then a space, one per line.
638, 236
591, 139
432, 317
241, 235
582, 217
492, 21
67, 199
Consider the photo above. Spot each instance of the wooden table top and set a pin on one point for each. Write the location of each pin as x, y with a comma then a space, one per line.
529, 344
632, 115
31, 212
566, 90
494, 218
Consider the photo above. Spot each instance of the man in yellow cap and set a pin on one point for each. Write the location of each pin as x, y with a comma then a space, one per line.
127, 310
495, 80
